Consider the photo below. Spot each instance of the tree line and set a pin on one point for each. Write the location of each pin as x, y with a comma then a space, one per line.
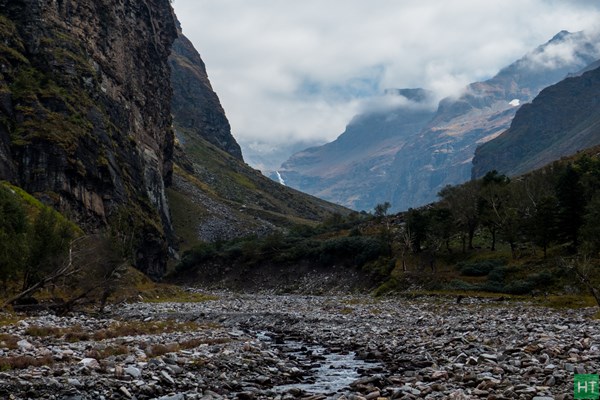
557, 206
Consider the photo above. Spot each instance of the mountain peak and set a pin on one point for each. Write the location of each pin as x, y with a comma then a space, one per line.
560, 36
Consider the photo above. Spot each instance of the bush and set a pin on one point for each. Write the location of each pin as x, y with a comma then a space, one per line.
197, 255
457, 284
353, 251
358, 250
386, 288
479, 268
519, 287
532, 282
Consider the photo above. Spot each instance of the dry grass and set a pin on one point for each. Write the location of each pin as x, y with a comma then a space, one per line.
110, 351
7, 319
136, 286
118, 329
162, 293
567, 301
137, 328
23, 362
9, 341
346, 310
43, 331
192, 343
77, 335
157, 350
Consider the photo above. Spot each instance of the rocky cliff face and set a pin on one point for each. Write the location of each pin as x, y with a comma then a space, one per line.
85, 121
195, 106
561, 120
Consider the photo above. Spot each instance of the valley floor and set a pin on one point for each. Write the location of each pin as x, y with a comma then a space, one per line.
286, 347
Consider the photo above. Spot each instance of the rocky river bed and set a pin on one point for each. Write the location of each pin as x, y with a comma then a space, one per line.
308, 347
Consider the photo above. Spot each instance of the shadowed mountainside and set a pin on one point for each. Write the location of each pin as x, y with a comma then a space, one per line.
561, 120
85, 122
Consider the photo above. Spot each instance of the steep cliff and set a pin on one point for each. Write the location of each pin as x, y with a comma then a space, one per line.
195, 106
561, 120
85, 120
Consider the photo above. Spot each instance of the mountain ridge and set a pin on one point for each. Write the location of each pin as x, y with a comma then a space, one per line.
563, 119
195, 105
440, 153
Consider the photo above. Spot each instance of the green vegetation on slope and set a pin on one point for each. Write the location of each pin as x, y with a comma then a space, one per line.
534, 234
34, 239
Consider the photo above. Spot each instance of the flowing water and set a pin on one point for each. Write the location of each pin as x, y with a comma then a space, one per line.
326, 372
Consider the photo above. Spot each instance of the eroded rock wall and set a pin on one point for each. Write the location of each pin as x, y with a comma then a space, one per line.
85, 120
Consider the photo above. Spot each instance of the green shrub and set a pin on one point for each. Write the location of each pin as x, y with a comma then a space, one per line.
497, 275
195, 256
356, 250
532, 282
353, 251
457, 284
479, 268
387, 287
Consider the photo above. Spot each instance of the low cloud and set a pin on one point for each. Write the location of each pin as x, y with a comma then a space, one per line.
565, 50
299, 71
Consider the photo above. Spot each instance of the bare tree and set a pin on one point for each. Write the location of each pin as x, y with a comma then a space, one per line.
91, 271
587, 272
67, 269
100, 267
406, 244
463, 203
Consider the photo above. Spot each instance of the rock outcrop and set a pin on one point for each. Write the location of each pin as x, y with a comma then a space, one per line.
85, 119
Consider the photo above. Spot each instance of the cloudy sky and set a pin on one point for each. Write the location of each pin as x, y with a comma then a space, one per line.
288, 71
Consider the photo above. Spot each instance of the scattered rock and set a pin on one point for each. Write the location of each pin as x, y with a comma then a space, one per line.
459, 351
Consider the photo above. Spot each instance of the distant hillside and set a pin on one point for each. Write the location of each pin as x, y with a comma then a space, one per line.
561, 120
353, 169
420, 154
215, 195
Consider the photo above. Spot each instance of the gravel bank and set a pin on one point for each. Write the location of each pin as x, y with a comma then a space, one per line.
281, 347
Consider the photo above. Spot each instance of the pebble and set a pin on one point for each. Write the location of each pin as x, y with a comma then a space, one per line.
133, 372
90, 363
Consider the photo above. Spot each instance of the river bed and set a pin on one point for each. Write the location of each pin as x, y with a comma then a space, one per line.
303, 347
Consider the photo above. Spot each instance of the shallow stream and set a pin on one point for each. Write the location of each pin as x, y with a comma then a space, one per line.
325, 372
